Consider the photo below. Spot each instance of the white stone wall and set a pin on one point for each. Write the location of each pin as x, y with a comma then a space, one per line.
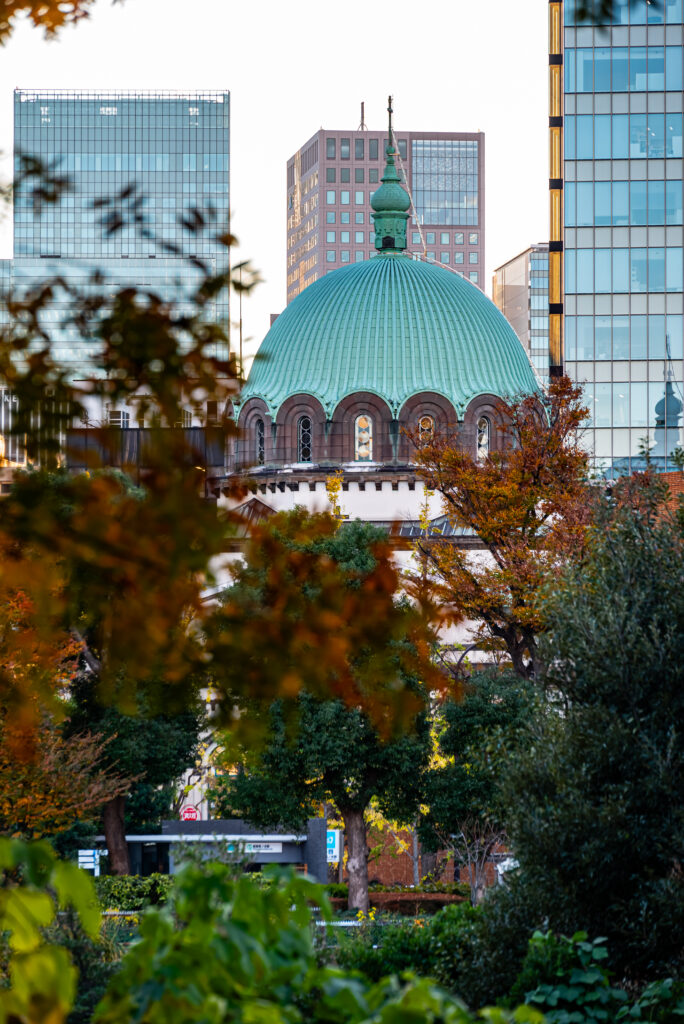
371, 504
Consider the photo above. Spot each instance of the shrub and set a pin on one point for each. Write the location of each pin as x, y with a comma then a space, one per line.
96, 962
565, 979
337, 890
132, 892
661, 1002
428, 947
389, 949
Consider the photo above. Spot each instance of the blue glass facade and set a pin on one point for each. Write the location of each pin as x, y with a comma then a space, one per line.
143, 162
623, 241
445, 180
539, 311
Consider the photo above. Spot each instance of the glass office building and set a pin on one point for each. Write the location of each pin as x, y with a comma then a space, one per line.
148, 192
616, 187
331, 179
520, 289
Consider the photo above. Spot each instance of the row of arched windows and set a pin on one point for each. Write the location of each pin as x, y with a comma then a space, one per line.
363, 438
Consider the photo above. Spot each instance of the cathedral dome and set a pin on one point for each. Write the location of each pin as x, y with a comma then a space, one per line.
395, 327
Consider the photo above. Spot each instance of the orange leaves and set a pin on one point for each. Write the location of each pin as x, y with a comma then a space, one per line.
119, 566
50, 15
299, 619
529, 504
55, 783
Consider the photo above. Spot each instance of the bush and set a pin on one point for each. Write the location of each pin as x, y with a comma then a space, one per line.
494, 943
97, 962
337, 890
132, 892
564, 979
428, 947
661, 1002
231, 951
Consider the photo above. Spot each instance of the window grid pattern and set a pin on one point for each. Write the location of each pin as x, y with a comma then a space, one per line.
173, 150
624, 265
260, 439
363, 438
304, 439
338, 191
445, 180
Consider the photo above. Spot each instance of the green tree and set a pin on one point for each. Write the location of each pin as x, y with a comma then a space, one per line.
328, 750
474, 736
594, 796
155, 750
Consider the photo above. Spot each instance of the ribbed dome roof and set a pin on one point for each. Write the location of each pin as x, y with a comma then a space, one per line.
393, 326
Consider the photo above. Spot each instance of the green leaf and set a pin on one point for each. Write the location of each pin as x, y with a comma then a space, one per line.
75, 888
45, 976
23, 912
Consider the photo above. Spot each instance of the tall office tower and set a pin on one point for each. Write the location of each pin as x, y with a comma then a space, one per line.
170, 150
329, 184
520, 289
616, 122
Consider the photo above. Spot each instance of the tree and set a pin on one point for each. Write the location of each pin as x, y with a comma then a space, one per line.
47, 782
305, 587
528, 505
325, 750
154, 750
474, 737
594, 795
65, 781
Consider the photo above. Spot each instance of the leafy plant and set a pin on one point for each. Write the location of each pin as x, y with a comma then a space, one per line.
429, 947
661, 1002
132, 892
228, 950
34, 885
572, 983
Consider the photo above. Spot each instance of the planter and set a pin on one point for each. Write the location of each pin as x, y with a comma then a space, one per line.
413, 903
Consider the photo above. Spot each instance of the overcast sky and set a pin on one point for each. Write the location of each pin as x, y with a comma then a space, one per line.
291, 68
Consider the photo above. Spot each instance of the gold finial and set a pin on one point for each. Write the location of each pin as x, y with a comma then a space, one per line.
389, 111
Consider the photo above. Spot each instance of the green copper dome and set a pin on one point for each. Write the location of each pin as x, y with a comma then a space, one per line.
393, 326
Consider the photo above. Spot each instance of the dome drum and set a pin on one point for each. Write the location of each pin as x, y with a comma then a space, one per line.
302, 436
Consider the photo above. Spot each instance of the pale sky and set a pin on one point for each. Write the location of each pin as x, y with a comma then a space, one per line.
451, 65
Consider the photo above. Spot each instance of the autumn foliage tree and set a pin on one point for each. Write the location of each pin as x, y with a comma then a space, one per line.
47, 782
347, 751
529, 505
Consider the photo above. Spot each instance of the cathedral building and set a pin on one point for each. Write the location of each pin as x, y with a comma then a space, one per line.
364, 357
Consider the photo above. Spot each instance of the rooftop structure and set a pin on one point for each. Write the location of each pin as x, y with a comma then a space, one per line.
330, 181
520, 289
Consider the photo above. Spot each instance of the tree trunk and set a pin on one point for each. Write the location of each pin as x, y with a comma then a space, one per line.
357, 861
115, 836
415, 858
428, 863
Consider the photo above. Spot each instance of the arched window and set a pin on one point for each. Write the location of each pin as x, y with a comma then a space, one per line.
260, 438
363, 439
304, 439
426, 430
484, 429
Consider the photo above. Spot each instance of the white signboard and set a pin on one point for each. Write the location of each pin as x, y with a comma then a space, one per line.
89, 860
333, 845
263, 847
257, 847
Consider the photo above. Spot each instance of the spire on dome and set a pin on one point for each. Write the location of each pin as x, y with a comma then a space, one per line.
390, 203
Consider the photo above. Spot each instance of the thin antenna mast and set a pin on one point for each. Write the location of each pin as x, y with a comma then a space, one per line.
394, 142
242, 376
363, 127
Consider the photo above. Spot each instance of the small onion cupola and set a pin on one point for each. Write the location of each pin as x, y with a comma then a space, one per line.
390, 203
